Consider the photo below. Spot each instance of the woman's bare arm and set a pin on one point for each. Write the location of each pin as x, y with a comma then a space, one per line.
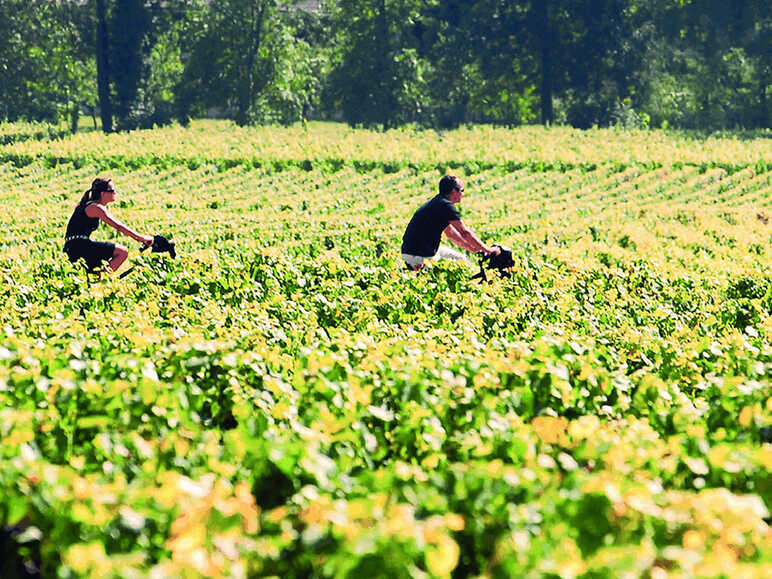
100, 211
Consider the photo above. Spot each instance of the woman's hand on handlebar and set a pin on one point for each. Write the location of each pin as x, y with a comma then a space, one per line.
145, 240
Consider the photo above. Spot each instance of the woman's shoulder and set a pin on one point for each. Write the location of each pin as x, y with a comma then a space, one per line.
82, 205
93, 208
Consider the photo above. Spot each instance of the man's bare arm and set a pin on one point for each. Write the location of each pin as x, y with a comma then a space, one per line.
463, 237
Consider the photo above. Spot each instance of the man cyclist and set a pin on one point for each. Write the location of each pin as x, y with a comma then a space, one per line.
437, 216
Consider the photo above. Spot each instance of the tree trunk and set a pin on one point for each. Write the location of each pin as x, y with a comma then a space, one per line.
545, 34
763, 105
385, 86
248, 83
74, 118
128, 33
103, 68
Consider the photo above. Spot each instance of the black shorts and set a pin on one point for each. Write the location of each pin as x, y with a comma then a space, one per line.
92, 252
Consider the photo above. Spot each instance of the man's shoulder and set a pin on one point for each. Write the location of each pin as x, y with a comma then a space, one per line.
439, 200
438, 207
445, 205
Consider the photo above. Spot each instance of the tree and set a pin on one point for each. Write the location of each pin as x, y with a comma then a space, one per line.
757, 40
507, 57
45, 62
241, 52
591, 53
708, 65
302, 63
103, 67
482, 62
544, 32
377, 74
129, 46
139, 56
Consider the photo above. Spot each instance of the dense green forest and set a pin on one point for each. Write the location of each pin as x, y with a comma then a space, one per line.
691, 64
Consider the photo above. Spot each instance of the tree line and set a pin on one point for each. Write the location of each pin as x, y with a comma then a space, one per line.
693, 64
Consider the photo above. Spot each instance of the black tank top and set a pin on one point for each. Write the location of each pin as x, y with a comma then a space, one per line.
80, 224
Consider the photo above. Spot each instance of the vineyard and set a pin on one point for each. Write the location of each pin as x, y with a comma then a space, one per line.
285, 399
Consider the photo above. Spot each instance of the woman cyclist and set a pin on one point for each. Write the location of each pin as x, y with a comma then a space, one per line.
85, 220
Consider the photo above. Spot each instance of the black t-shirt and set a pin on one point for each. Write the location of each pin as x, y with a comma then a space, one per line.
423, 233
80, 223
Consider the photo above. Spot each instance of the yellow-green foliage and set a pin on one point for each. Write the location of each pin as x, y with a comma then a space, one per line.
218, 142
286, 399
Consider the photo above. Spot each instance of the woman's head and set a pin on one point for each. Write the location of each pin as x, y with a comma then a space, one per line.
102, 191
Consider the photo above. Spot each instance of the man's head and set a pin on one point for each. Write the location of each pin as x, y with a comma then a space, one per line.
452, 187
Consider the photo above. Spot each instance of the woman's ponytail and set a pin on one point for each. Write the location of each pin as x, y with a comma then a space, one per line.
86, 197
99, 185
